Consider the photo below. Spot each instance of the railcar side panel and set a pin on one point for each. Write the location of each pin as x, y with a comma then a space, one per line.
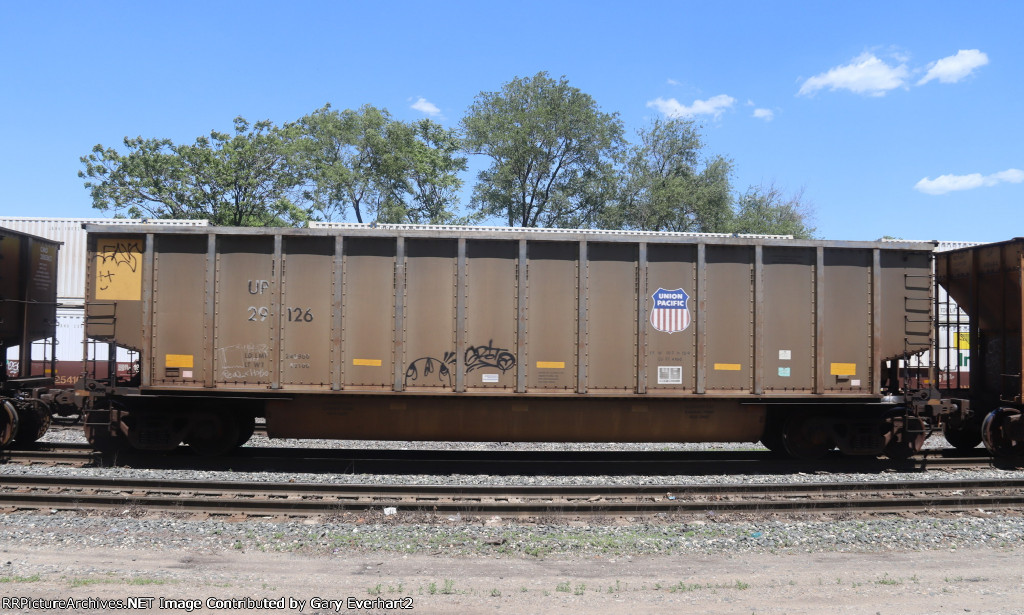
610, 354
368, 319
787, 357
726, 305
552, 316
429, 334
306, 313
247, 307
491, 328
670, 343
179, 311
847, 313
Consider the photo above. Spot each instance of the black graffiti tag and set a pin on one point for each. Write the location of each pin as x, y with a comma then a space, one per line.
489, 356
431, 371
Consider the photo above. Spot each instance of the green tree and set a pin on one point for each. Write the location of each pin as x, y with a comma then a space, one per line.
551, 151
381, 168
427, 171
767, 210
667, 186
240, 179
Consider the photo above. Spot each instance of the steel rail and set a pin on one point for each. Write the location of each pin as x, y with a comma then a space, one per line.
478, 461
559, 500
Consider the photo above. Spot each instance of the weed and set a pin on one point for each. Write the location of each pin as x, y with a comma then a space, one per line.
16, 579
580, 588
684, 587
87, 582
496, 593
887, 580
145, 581
375, 590
432, 588
449, 587
564, 586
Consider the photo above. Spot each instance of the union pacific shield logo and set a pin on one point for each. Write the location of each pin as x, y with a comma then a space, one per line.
669, 312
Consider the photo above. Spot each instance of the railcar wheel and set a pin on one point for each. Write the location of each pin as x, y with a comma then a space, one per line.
807, 437
33, 421
213, 434
8, 423
772, 440
963, 438
998, 432
246, 427
906, 435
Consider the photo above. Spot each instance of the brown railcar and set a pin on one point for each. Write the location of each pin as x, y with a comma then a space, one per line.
507, 334
986, 281
28, 314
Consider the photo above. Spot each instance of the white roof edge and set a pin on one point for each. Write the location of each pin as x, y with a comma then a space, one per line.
518, 229
156, 221
942, 246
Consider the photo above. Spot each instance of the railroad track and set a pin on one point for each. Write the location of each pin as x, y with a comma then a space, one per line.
229, 498
564, 463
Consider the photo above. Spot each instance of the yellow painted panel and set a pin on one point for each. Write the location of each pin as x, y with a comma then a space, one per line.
844, 369
367, 362
963, 341
119, 269
551, 364
728, 367
178, 360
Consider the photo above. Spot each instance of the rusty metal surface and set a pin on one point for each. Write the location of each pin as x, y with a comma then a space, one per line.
987, 281
515, 313
28, 294
559, 419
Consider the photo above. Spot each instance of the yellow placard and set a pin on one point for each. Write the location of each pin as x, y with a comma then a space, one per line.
551, 364
963, 341
367, 362
178, 360
728, 367
119, 269
843, 369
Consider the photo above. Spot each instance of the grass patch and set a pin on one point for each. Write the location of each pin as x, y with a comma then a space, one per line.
19, 579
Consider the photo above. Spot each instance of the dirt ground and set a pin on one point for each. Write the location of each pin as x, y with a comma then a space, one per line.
961, 581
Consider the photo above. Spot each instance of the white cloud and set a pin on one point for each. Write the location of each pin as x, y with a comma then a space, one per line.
673, 82
865, 74
425, 106
950, 183
954, 68
675, 109
764, 114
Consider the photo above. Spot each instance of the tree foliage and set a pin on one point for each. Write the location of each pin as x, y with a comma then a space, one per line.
667, 187
551, 151
382, 169
555, 160
767, 210
240, 179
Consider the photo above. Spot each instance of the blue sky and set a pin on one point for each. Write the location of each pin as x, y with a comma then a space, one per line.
895, 118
